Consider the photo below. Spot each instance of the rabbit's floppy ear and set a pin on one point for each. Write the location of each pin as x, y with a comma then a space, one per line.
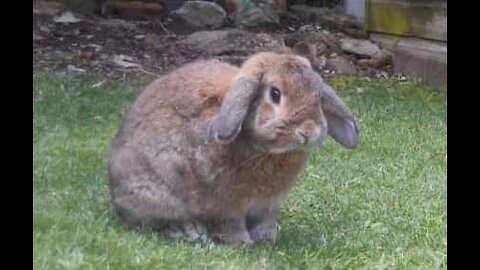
227, 124
341, 123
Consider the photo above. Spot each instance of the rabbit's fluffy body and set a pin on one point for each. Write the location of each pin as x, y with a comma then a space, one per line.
183, 162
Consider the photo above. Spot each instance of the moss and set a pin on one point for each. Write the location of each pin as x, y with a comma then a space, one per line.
405, 19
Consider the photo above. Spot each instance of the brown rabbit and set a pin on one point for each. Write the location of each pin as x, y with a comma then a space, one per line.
211, 150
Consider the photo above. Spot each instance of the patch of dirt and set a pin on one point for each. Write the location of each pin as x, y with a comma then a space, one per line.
119, 48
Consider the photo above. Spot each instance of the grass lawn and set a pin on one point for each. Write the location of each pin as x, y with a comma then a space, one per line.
382, 206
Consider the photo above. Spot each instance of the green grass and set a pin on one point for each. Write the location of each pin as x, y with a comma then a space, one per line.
382, 206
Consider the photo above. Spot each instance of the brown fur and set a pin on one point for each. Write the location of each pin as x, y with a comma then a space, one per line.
165, 171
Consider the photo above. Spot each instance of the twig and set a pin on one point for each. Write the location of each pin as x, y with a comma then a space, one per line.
148, 72
163, 27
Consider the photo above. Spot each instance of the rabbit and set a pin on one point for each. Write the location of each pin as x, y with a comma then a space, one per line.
210, 151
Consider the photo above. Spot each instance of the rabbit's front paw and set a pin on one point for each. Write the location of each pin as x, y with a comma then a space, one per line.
238, 238
266, 231
189, 230
232, 232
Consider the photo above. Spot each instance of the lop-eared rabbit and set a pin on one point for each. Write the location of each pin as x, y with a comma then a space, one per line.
211, 150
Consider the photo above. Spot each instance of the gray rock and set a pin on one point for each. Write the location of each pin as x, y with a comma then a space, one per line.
264, 13
341, 66
215, 42
309, 13
201, 14
359, 47
325, 16
426, 60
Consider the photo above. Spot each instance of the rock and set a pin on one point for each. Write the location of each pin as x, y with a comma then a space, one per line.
251, 17
324, 41
356, 33
341, 66
279, 6
118, 23
253, 14
201, 14
134, 9
422, 59
308, 51
215, 42
308, 13
325, 16
359, 47
229, 41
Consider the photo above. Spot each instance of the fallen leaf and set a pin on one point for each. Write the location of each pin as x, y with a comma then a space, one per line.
99, 84
44, 28
95, 46
75, 69
37, 37
66, 17
124, 61
86, 55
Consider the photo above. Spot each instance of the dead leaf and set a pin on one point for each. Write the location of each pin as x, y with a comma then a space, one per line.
37, 37
66, 17
87, 55
151, 39
44, 28
124, 61
95, 46
75, 69
99, 84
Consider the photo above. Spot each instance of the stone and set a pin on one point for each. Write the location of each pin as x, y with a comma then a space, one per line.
251, 17
325, 42
422, 59
254, 13
359, 47
386, 42
280, 6
201, 14
215, 42
230, 41
308, 13
326, 17
341, 66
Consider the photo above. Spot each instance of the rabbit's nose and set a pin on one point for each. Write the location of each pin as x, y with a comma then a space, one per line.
302, 137
308, 132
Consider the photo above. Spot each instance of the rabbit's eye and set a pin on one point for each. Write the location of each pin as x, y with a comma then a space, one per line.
275, 94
